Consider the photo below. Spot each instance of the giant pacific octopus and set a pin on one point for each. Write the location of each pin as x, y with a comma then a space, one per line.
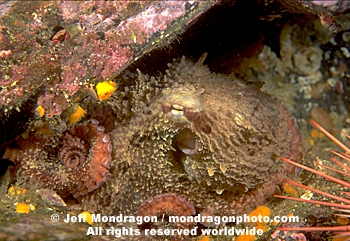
206, 142
74, 162
206, 137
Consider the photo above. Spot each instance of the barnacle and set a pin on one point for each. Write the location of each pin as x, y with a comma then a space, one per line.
50, 198
60, 36
105, 89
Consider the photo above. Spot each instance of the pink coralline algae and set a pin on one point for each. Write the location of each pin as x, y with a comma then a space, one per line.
51, 48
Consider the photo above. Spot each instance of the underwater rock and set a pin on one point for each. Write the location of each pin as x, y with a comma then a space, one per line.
51, 49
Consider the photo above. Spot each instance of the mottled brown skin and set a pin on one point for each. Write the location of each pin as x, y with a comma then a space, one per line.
240, 132
207, 137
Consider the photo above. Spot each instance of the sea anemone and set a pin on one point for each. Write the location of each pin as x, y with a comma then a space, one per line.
344, 206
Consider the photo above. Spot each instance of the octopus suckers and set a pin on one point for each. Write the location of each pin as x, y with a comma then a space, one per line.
81, 162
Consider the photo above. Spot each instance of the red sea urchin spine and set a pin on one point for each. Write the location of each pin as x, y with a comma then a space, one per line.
343, 208
330, 136
345, 184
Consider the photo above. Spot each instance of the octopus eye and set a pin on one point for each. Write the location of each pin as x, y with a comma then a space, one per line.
177, 110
